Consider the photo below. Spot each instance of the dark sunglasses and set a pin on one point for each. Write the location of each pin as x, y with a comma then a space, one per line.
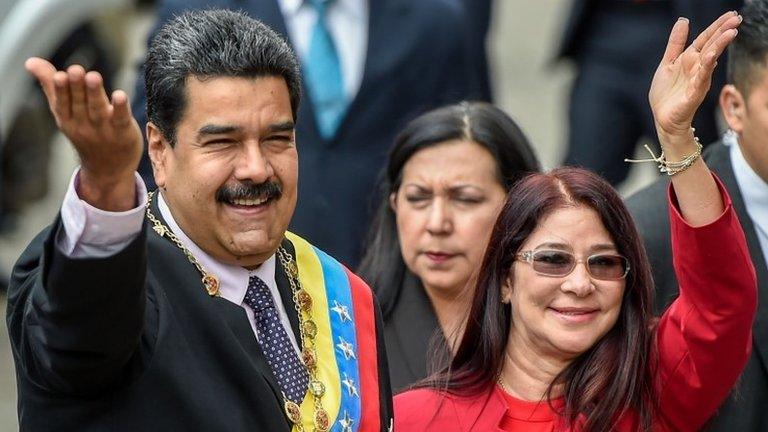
556, 263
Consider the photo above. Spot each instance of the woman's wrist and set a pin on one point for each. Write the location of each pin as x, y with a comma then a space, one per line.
677, 145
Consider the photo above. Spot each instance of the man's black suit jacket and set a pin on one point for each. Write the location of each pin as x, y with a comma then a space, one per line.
745, 409
418, 58
133, 342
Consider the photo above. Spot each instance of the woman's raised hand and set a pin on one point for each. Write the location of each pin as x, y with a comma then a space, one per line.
684, 75
680, 84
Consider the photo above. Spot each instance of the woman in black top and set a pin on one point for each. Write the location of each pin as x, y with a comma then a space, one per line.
446, 179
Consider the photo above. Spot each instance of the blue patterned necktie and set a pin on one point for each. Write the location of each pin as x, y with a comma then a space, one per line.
322, 70
291, 374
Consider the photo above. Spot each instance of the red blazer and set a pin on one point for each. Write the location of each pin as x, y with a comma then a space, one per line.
703, 339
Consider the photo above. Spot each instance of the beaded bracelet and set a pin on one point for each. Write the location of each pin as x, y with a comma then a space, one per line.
672, 168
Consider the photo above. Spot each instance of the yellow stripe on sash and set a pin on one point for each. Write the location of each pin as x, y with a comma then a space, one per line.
312, 281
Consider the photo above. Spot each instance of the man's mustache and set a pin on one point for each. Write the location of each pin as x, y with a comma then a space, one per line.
249, 190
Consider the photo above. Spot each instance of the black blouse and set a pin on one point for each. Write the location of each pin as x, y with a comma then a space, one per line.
416, 345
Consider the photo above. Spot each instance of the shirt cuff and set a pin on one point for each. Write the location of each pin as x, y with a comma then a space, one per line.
92, 232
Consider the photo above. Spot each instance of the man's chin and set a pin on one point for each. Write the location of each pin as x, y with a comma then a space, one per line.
249, 250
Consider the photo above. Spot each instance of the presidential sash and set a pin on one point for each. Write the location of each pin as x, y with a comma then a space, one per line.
347, 360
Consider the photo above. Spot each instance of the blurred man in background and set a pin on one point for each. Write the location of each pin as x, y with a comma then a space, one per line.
608, 111
368, 67
480, 17
741, 162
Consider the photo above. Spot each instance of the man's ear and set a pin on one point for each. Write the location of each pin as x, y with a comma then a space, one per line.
734, 107
159, 152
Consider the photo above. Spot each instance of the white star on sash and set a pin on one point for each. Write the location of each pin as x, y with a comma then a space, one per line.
346, 348
350, 385
342, 310
346, 423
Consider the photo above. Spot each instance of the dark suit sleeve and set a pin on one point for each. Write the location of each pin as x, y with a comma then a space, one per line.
650, 210
75, 324
385, 388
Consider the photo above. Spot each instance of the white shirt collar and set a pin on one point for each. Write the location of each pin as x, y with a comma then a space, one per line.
753, 188
233, 280
290, 7
353, 8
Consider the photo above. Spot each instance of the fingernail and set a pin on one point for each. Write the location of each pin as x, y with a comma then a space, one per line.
683, 19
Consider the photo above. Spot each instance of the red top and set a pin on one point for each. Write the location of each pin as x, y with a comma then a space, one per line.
704, 340
528, 416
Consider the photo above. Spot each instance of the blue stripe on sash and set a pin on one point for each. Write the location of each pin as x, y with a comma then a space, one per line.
339, 296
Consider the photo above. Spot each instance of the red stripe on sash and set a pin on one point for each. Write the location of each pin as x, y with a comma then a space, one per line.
365, 329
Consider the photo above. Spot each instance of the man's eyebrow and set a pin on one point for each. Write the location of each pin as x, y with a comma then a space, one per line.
213, 129
287, 126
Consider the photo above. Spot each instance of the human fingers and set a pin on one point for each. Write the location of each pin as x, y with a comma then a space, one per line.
725, 39
97, 102
731, 23
677, 39
121, 115
77, 90
709, 60
701, 39
43, 71
62, 107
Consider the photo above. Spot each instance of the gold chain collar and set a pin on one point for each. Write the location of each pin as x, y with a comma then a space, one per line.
307, 327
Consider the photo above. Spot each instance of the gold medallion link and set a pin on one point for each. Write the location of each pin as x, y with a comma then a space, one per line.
308, 357
211, 284
304, 300
293, 411
322, 421
317, 388
310, 328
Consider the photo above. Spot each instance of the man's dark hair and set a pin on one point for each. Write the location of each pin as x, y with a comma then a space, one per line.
748, 52
206, 44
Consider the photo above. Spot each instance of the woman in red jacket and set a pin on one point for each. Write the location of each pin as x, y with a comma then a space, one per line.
560, 335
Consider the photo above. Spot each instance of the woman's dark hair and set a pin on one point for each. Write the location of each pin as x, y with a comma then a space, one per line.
613, 377
382, 265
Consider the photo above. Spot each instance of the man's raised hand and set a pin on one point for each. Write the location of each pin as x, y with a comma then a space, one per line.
103, 131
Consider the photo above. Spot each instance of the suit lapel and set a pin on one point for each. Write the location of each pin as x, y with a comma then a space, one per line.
380, 54
286, 293
719, 160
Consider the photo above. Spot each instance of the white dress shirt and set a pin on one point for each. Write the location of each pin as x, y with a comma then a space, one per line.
348, 24
92, 233
754, 191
